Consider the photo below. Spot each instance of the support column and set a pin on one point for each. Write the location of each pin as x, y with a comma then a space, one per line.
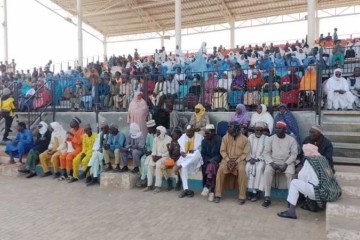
162, 40
105, 47
80, 36
311, 8
232, 33
178, 23
6, 47
317, 28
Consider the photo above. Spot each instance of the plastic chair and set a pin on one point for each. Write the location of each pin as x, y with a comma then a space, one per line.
221, 128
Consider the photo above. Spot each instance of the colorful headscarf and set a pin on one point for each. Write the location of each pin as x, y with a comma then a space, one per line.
243, 117
310, 150
44, 127
201, 113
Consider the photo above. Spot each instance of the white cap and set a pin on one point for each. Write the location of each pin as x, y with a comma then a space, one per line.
210, 127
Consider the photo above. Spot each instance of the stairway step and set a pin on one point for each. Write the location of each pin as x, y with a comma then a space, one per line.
341, 228
350, 188
345, 207
347, 169
343, 145
345, 137
347, 160
341, 126
348, 176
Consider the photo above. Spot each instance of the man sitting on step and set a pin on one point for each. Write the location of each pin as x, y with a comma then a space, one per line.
324, 145
112, 148
156, 164
20, 145
55, 148
134, 148
280, 154
96, 161
41, 144
84, 156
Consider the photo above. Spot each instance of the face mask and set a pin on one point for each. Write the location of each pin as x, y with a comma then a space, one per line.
77, 86
289, 72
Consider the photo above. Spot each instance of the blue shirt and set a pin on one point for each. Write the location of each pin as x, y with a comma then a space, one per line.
116, 141
211, 151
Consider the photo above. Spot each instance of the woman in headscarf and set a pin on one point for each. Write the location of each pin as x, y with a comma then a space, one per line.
262, 115
55, 148
286, 116
241, 115
289, 86
316, 181
210, 86
41, 144
280, 65
199, 119
238, 87
42, 96
7, 108
138, 112
135, 145
252, 95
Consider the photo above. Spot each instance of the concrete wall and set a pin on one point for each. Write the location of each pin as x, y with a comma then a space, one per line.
305, 119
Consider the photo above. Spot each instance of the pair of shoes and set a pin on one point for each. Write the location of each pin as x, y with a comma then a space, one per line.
33, 174
205, 192
266, 203
211, 197
148, 189
141, 183
286, 214
6, 139
23, 170
57, 175
217, 200
124, 169
108, 168
157, 190
186, 193
46, 174
135, 170
250, 195
88, 179
241, 201
72, 179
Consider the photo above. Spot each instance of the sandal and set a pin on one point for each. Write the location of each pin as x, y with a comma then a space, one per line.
62, 178
285, 214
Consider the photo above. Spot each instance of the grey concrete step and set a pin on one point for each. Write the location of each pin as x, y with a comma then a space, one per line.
341, 116
342, 228
9, 170
350, 188
348, 176
346, 207
347, 169
119, 180
341, 126
346, 160
348, 150
345, 137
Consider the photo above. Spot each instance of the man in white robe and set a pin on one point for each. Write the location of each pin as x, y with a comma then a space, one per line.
190, 160
156, 165
354, 84
338, 92
280, 154
255, 161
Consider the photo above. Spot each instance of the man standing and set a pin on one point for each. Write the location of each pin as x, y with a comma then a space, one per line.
354, 83
190, 160
255, 161
159, 154
95, 163
74, 142
112, 148
338, 92
234, 149
280, 154
151, 126
210, 152
324, 145
84, 156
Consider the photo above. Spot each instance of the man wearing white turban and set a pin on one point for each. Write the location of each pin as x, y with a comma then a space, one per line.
338, 92
156, 164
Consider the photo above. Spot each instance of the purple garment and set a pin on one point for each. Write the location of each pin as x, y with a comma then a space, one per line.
211, 170
240, 81
243, 117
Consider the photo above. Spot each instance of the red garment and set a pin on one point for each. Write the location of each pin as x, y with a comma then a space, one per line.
42, 98
290, 96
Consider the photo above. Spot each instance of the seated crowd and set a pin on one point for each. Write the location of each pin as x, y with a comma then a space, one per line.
249, 154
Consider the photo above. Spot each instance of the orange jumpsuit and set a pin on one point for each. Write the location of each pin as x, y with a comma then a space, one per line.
66, 159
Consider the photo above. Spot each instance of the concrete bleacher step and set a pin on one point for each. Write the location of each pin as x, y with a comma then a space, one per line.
347, 150
343, 116
119, 180
342, 228
346, 207
341, 126
346, 160
350, 188
346, 137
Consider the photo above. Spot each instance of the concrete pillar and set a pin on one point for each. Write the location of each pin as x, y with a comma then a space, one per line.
178, 22
317, 28
232, 33
80, 36
105, 47
6, 47
311, 7
162, 38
